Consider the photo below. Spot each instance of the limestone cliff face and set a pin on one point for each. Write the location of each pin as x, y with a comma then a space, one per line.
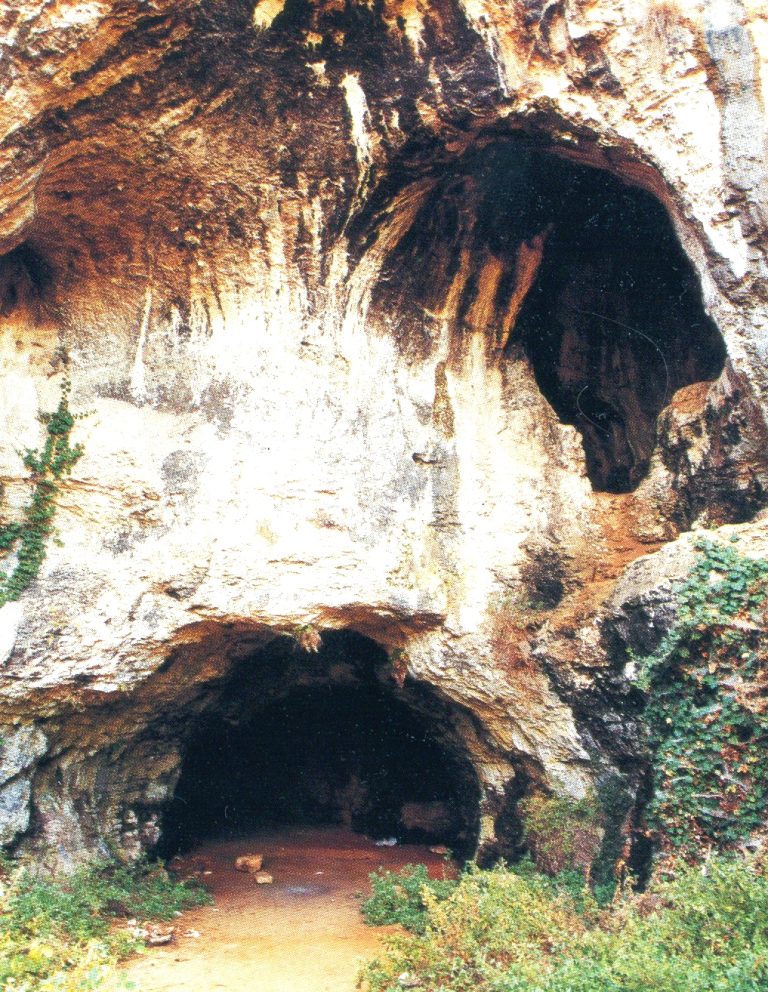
421, 320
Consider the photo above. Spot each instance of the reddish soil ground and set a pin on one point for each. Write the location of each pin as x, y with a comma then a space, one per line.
303, 933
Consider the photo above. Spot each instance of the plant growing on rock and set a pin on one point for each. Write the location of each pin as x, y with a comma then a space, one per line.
563, 833
707, 708
28, 537
308, 638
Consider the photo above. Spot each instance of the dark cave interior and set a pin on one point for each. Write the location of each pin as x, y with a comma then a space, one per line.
331, 745
613, 321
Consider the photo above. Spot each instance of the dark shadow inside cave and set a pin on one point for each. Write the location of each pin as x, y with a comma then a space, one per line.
611, 315
614, 323
330, 744
25, 277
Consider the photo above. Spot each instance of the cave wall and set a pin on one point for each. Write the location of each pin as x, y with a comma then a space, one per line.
268, 246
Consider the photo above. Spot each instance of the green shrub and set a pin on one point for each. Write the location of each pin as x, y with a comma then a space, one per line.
571, 882
491, 921
400, 897
503, 931
62, 934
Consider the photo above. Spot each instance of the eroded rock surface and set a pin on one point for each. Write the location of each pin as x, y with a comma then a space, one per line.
416, 320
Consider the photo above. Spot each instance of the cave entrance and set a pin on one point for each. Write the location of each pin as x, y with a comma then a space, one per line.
560, 263
324, 738
614, 323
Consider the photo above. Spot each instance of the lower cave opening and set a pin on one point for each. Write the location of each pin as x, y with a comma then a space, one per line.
330, 738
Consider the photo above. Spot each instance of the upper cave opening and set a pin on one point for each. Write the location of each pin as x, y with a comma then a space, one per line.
299, 737
614, 323
557, 261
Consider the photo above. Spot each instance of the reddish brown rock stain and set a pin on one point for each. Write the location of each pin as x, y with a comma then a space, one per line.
304, 933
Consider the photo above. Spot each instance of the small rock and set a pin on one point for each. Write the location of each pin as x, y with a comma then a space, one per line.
409, 981
440, 849
153, 934
195, 934
157, 936
263, 878
386, 842
249, 862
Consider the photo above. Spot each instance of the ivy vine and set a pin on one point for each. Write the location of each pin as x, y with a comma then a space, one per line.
27, 538
707, 708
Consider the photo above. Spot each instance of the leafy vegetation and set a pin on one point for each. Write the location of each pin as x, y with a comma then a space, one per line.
404, 897
702, 926
707, 708
401, 897
64, 935
28, 537
509, 931
563, 833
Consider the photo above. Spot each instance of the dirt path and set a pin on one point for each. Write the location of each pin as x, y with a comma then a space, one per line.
303, 933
